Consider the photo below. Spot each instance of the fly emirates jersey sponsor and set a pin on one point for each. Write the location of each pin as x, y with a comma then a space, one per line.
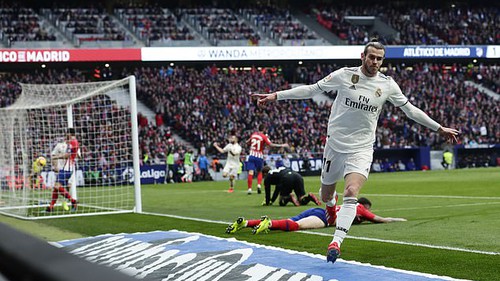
355, 111
354, 114
257, 142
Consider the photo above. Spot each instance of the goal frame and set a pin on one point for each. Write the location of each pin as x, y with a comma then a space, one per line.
131, 81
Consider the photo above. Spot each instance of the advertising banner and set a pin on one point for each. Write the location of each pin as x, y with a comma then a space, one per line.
400, 52
241, 53
68, 55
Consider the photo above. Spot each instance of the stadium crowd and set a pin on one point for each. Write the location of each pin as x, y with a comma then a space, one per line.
412, 24
207, 105
220, 24
87, 23
155, 23
279, 23
440, 91
21, 24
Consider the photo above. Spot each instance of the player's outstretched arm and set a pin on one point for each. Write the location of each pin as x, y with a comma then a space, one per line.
264, 98
449, 133
422, 118
379, 219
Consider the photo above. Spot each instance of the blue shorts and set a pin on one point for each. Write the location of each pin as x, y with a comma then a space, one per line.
63, 177
318, 212
255, 164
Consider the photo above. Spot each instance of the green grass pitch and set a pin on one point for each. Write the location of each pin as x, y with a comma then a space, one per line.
456, 209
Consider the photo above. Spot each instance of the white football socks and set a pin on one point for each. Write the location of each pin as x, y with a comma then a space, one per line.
332, 202
345, 218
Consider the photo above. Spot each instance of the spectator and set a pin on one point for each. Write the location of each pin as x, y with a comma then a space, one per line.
410, 166
376, 167
203, 164
400, 166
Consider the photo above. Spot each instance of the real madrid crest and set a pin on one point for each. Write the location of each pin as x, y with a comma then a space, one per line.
355, 78
378, 92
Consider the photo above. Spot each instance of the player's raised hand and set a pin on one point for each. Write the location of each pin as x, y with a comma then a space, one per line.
449, 133
263, 98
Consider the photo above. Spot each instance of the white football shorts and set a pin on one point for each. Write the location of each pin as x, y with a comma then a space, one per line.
337, 165
230, 169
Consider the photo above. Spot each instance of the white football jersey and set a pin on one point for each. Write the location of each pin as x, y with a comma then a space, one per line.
60, 149
233, 154
355, 111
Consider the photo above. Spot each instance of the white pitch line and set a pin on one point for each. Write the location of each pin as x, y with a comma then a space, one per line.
436, 207
352, 237
431, 196
408, 243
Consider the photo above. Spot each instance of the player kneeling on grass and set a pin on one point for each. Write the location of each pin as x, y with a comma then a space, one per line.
286, 182
36, 171
310, 219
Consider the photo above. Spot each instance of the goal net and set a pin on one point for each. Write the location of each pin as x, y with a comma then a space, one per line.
104, 173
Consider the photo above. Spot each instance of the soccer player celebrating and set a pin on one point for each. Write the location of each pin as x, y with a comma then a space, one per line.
233, 150
255, 162
348, 153
64, 160
309, 219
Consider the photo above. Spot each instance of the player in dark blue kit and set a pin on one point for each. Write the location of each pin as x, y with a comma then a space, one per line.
286, 182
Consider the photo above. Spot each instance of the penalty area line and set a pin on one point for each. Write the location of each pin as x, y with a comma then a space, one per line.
351, 237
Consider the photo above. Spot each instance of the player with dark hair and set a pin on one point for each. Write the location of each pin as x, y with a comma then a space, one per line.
361, 93
257, 141
233, 150
286, 181
309, 219
64, 158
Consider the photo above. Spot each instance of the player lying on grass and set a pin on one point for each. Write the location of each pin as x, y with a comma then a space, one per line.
286, 181
310, 219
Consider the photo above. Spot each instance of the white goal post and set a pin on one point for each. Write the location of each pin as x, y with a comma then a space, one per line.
106, 177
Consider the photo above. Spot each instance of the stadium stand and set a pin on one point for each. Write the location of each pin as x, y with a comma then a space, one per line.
415, 24
435, 88
395, 23
445, 91
281, 26
157, 26
21, 27
224, 106
89, 27
221, 26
